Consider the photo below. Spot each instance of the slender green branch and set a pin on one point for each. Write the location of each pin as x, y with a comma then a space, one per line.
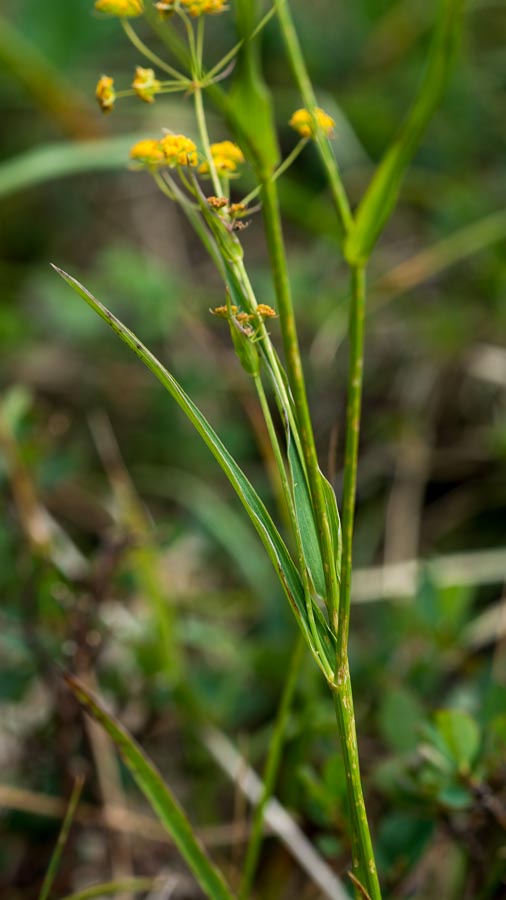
204, 137
139, 45
364, 866
303, 80
271, 769
295, 526
296, 379
287, 162
353, 408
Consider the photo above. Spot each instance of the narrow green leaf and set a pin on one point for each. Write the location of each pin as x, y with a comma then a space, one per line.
334, 521
381, 195
62, 839
110, 888
461, 736
267, 531
305, 520
157, 793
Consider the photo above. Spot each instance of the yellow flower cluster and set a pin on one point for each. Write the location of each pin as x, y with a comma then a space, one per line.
263, 311
127, 9
145, 84
105, 93
172, 150
303, 122
226, 155
194, 8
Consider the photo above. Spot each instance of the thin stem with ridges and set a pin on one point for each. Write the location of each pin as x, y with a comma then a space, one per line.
277, 255
363, 863
353, 409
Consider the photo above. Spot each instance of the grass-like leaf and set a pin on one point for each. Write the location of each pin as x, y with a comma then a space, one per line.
381, 195
262, 521
157, 793
62, 839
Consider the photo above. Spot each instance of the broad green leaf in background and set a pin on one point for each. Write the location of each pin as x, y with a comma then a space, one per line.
273, 543
461, 736
381, 196
158, 794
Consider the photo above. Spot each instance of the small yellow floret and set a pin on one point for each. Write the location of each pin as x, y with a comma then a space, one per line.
303, 122
124, 8
226, 157
148, 153
178, 150
105, 93
222, 311
265, 311
145, 84
217, 202
203, 7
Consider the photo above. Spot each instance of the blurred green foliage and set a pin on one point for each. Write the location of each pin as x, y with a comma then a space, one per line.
430, 704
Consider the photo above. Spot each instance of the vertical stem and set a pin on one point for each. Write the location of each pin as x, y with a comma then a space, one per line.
271, 768
353, 408
364, 866
303, 80
277, 254
363, 863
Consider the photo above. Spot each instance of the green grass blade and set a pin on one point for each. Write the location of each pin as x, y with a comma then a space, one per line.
381, 195
334, 521
62, 839
267, 531
158, 795
110, 888
305, 520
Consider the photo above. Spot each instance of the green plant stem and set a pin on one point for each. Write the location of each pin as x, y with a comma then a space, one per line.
303, 80
142, 48
271, 769
363, 863
54, 862
353, 409
294, 524
296, 380
204, 137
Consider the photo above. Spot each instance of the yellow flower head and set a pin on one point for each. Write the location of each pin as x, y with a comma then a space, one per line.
217, 202
124, 8
148, 153
105, 93
226, 157
145, 84
303, 122
265, 311
202, 7
178, 150
222, 311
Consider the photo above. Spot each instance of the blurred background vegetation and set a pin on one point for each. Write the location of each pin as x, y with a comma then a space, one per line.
119, 537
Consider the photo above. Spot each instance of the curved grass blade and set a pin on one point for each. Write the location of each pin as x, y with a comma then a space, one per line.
111, 888
381, 195
62, 839
157, 793
267, 531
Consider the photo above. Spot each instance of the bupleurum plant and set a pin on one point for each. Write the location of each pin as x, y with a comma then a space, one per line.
315, 572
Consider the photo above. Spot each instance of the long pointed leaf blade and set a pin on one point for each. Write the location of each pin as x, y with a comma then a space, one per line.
305, 520
158, 794
267, 531
381, 195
